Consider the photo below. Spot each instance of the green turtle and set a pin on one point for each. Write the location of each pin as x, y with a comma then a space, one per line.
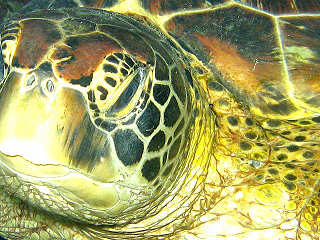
160, 120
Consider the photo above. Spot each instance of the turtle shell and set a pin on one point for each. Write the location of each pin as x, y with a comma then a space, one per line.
266, 54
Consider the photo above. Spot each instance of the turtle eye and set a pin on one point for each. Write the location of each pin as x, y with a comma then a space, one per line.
130, 94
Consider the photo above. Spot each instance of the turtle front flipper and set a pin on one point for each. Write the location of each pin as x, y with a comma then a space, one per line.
269, 63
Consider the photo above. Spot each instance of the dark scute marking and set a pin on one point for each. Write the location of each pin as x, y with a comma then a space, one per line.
124, 72
251, 135
46, 67
119, 55
98, 121
84, 81
215, 86
290, 177
157, 142
305, 122
110, 81
316, 119
161, 93
172, 113
73, 42
62, 53
93, 106
104, 92
273, 123
108, 126
308, 154
174, 149
179, 128
245, 146
249, 121
293, 148
129, 147
109, 68
178, 84
113, 59
91, 96
282, 157
13, 31
232, 120
8, 38
273, 171
167, 170
128, 60
127, 95
300, 138
161, 71
149, 120
150, 169
189, 77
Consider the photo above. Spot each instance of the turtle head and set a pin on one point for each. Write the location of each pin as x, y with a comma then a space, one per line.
97, 116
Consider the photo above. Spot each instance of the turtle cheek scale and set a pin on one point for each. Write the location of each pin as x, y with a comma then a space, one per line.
113, 139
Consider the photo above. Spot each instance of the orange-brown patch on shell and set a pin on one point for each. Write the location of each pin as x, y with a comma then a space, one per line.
231, 64
36, 38
81, 55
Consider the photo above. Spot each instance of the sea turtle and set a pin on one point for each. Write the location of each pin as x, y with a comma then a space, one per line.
161, 119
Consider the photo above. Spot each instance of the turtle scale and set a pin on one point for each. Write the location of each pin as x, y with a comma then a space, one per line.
257, 145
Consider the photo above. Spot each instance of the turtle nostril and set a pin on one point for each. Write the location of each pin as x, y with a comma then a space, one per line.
50, 85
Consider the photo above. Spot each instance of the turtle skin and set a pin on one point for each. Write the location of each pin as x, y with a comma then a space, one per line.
210, 110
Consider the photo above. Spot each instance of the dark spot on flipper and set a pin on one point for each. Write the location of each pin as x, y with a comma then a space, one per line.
293, 148
151, 168
316, 119
282, 157
290, 186
251, 135
308, 154
300, 138
273, 123
290, 177
232, 121
249, 121
103, 91
245, 146
273, 171
129, 147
